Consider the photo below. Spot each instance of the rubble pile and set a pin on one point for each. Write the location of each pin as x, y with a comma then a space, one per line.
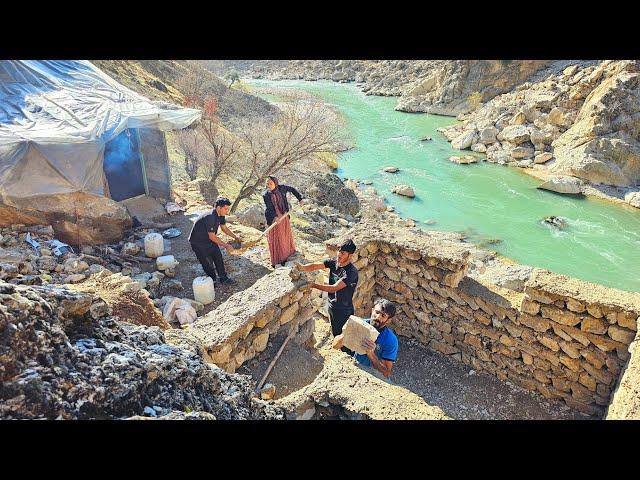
63, 356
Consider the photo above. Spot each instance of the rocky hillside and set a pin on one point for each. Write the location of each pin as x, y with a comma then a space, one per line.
581, 121
163, 80
433, 86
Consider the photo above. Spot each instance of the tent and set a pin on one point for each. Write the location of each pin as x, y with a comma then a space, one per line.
67, 127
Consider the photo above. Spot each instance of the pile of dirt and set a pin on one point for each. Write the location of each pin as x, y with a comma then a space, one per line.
127, 301
63, 356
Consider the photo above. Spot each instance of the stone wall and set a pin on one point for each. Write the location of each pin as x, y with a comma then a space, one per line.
564, 338
240, 328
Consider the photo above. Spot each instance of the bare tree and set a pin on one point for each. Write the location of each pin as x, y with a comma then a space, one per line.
208, 149
299, 132
193, 148
224, 147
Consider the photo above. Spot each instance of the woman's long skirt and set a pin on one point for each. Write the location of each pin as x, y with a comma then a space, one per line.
280, 240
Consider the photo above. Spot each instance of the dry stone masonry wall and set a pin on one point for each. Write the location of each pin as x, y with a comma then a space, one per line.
241, 327
564, 338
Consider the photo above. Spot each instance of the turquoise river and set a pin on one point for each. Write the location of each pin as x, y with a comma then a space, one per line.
601, 240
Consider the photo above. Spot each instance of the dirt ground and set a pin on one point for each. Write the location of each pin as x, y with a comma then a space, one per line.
429, 384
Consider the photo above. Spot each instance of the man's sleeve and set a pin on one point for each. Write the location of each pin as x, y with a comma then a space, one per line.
329, 263
211, 225
389, 350
352, 278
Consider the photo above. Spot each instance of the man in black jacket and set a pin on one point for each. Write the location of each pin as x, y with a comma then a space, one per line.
206, 243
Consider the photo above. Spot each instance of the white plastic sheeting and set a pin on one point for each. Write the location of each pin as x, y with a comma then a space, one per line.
56, 117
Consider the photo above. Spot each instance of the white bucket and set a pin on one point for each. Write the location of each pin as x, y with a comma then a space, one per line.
153, 245
203, 290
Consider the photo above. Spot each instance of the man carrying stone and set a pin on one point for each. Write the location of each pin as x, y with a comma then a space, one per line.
206, 244
382, 353
343, 278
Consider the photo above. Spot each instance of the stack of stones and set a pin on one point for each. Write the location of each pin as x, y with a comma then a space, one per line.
564, 338
240, 328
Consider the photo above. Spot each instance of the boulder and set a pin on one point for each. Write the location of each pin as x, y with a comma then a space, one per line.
391, 169
479, 147
521, 152
488, 135
404, 190
515, 134
543, 157
633, 199
465, 140
328, 189
564, 184
253, 216
75, 218
463, 160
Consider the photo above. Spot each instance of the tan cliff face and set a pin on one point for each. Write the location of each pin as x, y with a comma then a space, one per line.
602, 144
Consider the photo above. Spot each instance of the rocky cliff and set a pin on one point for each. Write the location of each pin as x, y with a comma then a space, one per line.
433, 86
581, 121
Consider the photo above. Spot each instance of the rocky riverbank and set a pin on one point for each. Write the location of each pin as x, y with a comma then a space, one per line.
565, 118
579, 123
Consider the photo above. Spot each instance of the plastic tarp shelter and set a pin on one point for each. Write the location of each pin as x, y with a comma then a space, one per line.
56, 117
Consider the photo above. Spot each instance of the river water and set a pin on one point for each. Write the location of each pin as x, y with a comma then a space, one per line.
496, 206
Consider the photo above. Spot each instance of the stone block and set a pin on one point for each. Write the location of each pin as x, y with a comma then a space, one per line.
549, 342
536, 323
594, 325
620, 334
569, 349
260, 341
571, 363
289, 313
594, 311
627, 320
588, 381
540, 376
562, 317
443, 347
529, 306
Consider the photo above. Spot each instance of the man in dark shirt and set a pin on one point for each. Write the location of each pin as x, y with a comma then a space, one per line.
206, 243
343, 278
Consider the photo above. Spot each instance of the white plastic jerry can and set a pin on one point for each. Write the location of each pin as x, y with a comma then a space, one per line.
153, 245
203, 290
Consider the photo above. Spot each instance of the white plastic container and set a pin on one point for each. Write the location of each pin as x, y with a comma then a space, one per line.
153, 245
166, 261
203, 290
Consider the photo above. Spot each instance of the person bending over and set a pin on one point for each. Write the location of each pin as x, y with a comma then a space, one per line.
206, 244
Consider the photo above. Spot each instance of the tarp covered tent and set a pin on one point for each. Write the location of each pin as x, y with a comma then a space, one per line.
56, 118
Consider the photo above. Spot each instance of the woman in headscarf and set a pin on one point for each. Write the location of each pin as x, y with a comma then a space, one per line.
280, 237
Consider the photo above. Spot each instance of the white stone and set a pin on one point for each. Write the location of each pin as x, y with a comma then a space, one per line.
465, 140
404, 190
391, 169
543, 157
563, 184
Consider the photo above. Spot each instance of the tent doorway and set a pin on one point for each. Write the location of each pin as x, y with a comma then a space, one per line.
123, 166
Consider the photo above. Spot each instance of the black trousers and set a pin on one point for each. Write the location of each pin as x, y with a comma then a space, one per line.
210, 256
338, 317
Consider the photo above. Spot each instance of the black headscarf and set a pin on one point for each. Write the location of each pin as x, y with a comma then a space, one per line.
276, 195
